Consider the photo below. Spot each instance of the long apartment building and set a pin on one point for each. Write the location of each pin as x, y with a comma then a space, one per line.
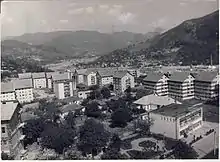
20, 90
64, 85
207, 85
181, 85
176, 120
86, 76
156, 82
11, 132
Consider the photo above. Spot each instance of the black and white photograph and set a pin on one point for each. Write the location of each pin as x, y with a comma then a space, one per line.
109, 79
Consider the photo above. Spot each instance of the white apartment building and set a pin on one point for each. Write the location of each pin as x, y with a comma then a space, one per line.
175, 120
83, 93
156, 82
122, 80
20, 90
64, 85
104, 77
87, 76
39, 80
181, 85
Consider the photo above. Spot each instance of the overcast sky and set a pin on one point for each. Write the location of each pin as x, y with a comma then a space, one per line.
139, 16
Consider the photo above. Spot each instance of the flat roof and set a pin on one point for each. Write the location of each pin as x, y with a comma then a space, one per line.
63, 76
24, 83
7, 87
24, 75
176, 110
7, 110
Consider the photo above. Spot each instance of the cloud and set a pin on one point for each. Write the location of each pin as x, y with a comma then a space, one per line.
72, 4
183, 4
76, 11
160, 22
64, 21
89, 10
126, 18
117, 6
43, 22
103, 6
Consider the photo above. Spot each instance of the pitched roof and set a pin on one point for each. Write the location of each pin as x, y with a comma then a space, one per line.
206, 76
119, 74
179, 76
81, 71
105, 72
51, 74
7, 110
24, 83
71, 107
38, 75
24, 75
63, 76
155, 100
153, 77
7, 87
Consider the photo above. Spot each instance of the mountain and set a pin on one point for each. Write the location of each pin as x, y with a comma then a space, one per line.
68, 44
191, 42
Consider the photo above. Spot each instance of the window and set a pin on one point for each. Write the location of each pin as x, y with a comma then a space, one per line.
3, 129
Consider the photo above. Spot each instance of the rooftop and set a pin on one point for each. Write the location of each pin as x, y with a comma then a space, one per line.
155, 100
24, 75
7, 110
24, 83
63, 76
119, 74
179, 76
176, 110
206, 76
38, 75
7, 87
153, 77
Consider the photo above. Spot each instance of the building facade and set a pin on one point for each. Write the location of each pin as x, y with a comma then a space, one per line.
39, 80
207, 85
122, 80
176, 120
181, 85
156, 82
104, 78
11, 132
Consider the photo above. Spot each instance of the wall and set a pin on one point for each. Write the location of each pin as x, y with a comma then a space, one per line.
59, 90
89, 82
7, 96
83, 94
24, 95
40, 83
80, 79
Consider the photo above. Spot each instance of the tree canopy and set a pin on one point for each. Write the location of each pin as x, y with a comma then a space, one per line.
120, 117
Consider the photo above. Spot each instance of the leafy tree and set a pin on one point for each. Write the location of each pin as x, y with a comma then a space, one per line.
5, 156
85, 102
115, 142
141, 93
73, 154
93, 136
143, 126
116, 104
95, 94
70, 120
184, 151
92, 110
120, 117
105, 92
57, 138
94, 87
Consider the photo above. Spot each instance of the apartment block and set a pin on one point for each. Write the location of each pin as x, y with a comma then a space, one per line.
11, 129
122, 80
176, 120
181, 85
87, 76
156, 82
104, 77
207, 85
39, 80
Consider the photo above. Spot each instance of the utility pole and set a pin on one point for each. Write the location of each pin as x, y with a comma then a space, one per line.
214, 143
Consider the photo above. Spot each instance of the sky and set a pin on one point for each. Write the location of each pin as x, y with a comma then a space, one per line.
140, 16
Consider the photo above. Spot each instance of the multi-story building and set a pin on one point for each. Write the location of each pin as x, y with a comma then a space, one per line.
64, 85
104, 77
87, 76
176, 120
122, 80
206, 85
39, 80
156, 82
11, 132
20, 90
181, 85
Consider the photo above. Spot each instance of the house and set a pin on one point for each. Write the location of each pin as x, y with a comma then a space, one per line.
11, 132
176, 120
206, 85
39, 80
17, 90
153, 101
181, 85
83, 93
63, 85
122, 80
156, 82
105, 77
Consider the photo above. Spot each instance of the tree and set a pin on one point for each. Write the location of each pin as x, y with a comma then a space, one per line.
93, 136
95, 94
184, 151
115, 142
105, 92
116, 104
73, 154
70, 120
57, 138
92, 110
5, 156
141, 93
143, 126
85, 102
120, 117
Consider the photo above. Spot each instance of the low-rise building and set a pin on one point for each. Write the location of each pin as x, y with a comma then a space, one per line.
176, 120
39, 80
181, 85
11, 132
122, 80
153, 102
206, 85
83, 93
7, 92
63, 85
156, 82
